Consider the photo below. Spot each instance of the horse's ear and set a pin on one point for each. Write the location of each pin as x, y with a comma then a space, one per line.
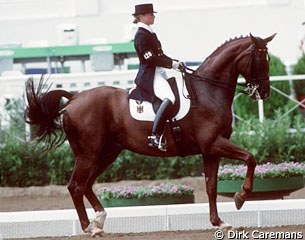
268, 39
253, 39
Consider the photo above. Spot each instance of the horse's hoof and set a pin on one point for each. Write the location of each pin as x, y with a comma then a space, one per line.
95, 228
225, 227
96, 232
93, 231
239, 200
88, 229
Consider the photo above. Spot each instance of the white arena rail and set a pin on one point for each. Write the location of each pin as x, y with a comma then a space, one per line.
13, 86
153, 218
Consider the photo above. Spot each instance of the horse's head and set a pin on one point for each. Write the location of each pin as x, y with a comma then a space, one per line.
254, 66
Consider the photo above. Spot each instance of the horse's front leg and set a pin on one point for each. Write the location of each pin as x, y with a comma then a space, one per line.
211, 164
224, 148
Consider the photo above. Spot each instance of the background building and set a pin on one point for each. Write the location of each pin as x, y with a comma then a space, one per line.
189, 30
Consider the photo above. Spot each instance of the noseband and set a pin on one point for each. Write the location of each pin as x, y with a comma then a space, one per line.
254, 82
251, 90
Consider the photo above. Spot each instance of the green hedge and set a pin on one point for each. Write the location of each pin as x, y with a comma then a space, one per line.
278, 140
299, 68
134, 166
23, 164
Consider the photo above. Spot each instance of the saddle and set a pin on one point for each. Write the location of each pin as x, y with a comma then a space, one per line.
146, 111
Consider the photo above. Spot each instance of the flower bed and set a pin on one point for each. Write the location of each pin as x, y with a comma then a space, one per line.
267, 170
271, 181
165, 193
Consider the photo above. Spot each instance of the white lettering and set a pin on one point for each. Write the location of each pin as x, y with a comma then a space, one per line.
238, 235
256, 234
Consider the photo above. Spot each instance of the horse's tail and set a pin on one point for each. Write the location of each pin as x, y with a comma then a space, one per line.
43, 111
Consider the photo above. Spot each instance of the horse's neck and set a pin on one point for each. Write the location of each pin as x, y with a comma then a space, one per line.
220, 86
220, 65
208, 94
220, 68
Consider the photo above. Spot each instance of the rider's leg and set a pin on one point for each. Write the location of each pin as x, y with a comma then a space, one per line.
159, 125
163, 91
161, 86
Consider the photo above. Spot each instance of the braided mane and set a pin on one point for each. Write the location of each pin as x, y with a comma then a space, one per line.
222, 46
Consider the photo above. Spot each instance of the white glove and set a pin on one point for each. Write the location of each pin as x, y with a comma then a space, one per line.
176, 65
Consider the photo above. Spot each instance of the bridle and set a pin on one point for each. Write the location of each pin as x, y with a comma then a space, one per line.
252, 84
255, 59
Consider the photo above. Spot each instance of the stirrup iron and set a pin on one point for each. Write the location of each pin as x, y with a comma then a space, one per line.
157, 142
162, 145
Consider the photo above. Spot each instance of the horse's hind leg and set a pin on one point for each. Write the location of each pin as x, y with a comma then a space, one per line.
105, 160
87, 168
211, 164
77, 187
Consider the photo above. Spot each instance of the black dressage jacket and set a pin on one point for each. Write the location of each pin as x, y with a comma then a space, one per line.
150, 54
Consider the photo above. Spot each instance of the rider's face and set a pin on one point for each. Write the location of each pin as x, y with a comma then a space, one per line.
147, 18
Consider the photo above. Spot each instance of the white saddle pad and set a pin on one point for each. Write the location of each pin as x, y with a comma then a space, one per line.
143, 111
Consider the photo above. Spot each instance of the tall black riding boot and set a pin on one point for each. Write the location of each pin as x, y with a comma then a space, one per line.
155, 140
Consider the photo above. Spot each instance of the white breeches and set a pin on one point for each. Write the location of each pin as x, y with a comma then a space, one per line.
162, 88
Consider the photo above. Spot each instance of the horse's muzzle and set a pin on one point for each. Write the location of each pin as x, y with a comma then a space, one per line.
262, 89
264, 95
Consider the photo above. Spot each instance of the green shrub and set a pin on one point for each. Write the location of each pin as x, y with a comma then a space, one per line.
60, 164
271, 141
23, 163
299, 68
17, 167
133, 166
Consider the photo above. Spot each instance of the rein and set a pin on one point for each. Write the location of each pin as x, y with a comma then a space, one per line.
249, 90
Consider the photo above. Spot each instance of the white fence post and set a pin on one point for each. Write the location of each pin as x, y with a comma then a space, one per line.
261, 110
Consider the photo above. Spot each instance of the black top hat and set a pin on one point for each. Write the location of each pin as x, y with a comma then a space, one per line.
144, 8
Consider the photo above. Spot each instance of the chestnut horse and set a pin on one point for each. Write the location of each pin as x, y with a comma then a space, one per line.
98, 125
